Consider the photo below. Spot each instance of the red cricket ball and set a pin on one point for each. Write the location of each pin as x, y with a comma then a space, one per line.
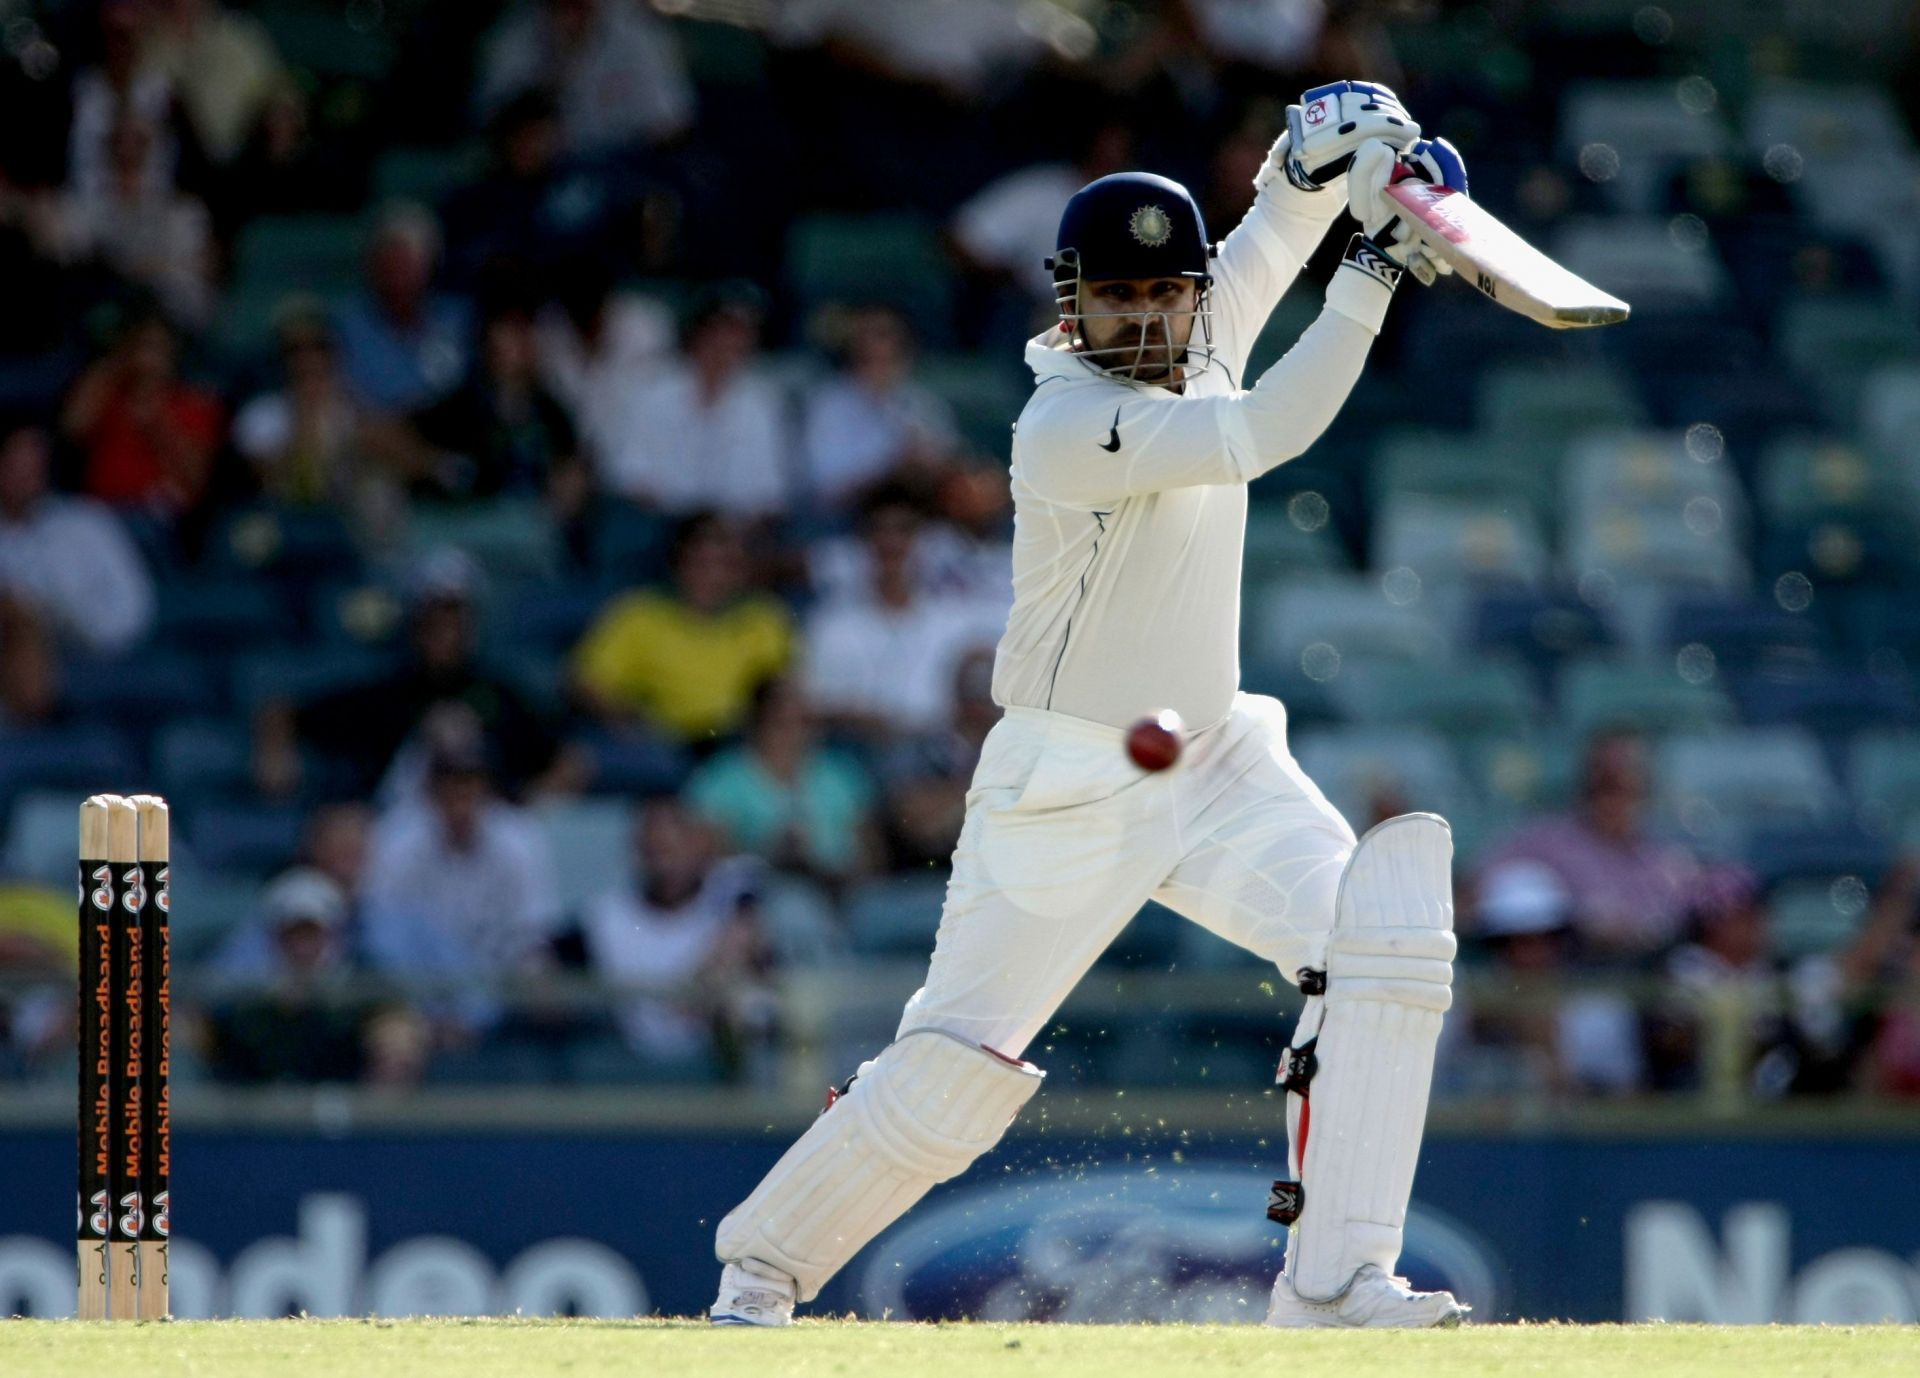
1154, 743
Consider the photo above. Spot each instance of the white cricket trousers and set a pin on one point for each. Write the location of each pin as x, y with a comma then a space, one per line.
1065, 838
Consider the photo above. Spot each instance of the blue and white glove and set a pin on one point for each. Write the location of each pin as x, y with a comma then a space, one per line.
1328, 125
1377, 164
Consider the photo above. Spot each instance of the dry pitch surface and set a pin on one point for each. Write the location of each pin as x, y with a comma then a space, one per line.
851, 1349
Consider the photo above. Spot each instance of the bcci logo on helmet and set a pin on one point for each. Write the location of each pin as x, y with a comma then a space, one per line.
1150, 226
1120, 1245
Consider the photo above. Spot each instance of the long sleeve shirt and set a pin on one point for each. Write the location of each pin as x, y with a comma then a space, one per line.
1127, 555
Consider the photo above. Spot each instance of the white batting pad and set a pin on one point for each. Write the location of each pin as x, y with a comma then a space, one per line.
916, 1115
1389, 980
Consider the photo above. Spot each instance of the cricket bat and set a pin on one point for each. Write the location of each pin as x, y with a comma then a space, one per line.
1499, 262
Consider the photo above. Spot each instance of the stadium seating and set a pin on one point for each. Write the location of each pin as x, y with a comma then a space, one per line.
1279, 548
883, 258
1639, 261
508, 537
1644, 126
247, 838
39, 837
1349, 614
1884, 772
1603, 693
142, 689
1460, 542
1732, 783
985, 394
1804, 918
424, 174
1745, 634
1555, 403
591, 843
1806, 475
1824, 120
1835, 704
1478, 697
1838, 341
1541, 628
1890, 415
203, 758
1493, 465
325, 41
209, 908
1704, 525
1360, 767
895, 916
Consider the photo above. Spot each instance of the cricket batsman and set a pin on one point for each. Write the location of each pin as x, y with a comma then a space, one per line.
1131, 462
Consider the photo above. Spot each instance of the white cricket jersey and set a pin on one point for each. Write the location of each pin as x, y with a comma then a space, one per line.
1126, 561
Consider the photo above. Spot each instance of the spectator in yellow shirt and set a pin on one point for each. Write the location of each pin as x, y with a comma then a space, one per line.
685, 661
38, 960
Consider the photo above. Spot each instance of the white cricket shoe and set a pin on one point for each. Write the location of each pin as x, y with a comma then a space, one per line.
752, 1296
1374, 1301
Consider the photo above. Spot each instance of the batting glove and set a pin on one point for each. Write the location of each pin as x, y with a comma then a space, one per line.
1376, 166
1328, 125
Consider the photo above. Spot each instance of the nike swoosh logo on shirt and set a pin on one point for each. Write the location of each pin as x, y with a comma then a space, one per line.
1112, 442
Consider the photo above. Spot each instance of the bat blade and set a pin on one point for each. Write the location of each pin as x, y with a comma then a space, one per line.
1502, 264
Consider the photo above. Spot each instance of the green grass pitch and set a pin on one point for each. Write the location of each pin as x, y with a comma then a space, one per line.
853, 1349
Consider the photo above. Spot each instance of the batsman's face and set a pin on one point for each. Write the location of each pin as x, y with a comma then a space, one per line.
1145, 319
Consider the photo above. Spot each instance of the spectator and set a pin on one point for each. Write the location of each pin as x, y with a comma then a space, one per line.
927, 777
1279, 35
782, 796
924, 66
919, 43
502, 432
1868, 990
688, 933
963, 557
310, 443
70, 579
1237, 160
125, 83
143, 230
1004, 233
707, 430
284, 170
372, 730
41, 287
1728, 968
1256, 43
39, 962
336, 847
296, 1008
524, 208
1728, 941
685, 662
882, 665
1630, 889
1893, 1062
224, 66
872, 420
459, 883
615, 70
596, 344
403, 344
974, 504
1559, 1038
147, 439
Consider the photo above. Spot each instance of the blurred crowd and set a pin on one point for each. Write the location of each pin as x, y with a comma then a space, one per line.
527, 480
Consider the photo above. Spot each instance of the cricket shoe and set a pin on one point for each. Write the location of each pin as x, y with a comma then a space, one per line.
749, 1296
1374, 1301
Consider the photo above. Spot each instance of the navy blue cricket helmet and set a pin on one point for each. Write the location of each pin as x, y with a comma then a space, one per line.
1132, 225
